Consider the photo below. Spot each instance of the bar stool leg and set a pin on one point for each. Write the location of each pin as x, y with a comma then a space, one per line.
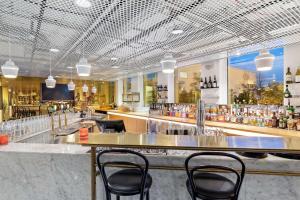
117, 197
148, 196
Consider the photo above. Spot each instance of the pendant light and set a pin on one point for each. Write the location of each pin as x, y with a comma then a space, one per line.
94, 89
9, 69
85, 88
71, 84
264, 61
168, 64
50, 81
83, 67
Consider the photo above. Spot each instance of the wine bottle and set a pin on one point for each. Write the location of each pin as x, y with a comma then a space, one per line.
215, 84
288, 76
287, 93
205, 83
201, 83
297, 77
210, 83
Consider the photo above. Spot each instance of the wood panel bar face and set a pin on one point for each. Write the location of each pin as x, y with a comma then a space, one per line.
132, 125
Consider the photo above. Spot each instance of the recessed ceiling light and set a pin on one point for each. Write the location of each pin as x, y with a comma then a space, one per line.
177, 31
57, 76
238, 53
70, 67
115, 67
114, 58
83, 3
54, 50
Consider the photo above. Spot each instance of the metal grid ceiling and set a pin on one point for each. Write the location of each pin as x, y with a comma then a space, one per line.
138, 32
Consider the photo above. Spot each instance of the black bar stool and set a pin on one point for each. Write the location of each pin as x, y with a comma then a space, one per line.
125, 182
210, 186
111, 125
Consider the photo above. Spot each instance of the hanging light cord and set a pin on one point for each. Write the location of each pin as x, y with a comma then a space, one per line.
50, 64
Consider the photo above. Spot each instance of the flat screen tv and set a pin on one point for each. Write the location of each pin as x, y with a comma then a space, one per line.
59, 93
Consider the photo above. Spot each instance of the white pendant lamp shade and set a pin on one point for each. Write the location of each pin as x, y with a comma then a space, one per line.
9, 69
94, 89
85, 88
168, 64
264, 61
83, 67
71, 86
50, 82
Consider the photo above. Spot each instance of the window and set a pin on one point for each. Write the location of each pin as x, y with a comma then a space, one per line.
187, 81
246, 85
150, 83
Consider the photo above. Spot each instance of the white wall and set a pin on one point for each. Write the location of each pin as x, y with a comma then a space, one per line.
292, 59
216, 68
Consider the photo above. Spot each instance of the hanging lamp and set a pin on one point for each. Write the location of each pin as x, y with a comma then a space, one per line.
83, 67
9, 69
264, 61
85, 88
71, 84
168, 63
94, 89
50, 81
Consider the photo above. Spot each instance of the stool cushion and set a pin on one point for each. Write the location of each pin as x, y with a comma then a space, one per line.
212, 186
128, 181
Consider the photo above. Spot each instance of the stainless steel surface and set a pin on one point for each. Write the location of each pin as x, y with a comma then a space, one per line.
138, 32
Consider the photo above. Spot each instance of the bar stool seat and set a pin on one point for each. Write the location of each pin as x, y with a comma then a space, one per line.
128, 182
212, 185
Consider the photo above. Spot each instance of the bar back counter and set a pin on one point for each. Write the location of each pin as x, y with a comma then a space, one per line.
63, 171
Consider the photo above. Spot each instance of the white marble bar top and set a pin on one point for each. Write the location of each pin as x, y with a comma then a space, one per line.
44, 148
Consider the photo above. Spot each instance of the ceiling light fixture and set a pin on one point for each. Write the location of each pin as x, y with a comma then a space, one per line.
115, 67
71, 84
177, 31
54, 50
83, 3
50, 81
264, 61
94, 89
70, 67
114, 58
85, 88
83, 67
9, 69
168, 64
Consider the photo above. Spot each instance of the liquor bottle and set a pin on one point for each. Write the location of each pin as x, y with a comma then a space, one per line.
215, 84
210, 84
297, 77
298, 125
274, 120
287, 93
288, 76
290, 123
201, 83
280, 125
205, 83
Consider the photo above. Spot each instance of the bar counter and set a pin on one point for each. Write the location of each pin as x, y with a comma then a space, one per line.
230, 128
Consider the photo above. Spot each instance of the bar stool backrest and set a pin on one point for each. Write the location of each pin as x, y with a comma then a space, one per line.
119, 163
239, 174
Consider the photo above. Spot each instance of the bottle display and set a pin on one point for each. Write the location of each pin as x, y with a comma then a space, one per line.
271, 116
288, 76
297, 76
287, 93
209, 82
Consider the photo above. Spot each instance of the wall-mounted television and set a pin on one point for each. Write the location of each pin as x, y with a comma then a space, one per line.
59, 93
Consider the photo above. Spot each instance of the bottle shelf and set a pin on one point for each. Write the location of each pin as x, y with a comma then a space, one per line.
209, 88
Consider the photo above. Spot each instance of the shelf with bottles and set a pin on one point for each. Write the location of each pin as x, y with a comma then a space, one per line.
292, 79
162, 88
208, 83
209, 88
179, 110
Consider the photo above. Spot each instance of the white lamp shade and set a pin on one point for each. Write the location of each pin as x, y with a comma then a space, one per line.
9, 69
168, 64
94, 89
264, 61
50, 82
71, 86
85, 88
83, 67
